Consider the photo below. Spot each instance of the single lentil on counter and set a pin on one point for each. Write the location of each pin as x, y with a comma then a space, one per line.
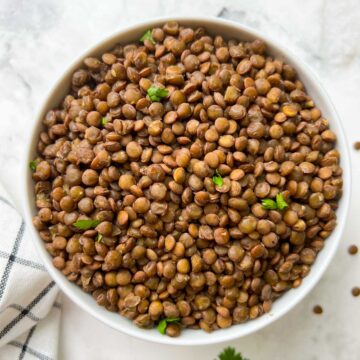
355, 291
353, 249
152, 173
318, 310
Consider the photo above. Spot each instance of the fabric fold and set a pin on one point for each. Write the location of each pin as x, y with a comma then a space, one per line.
29, 299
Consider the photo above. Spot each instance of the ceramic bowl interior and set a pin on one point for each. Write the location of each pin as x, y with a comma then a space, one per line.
229, 30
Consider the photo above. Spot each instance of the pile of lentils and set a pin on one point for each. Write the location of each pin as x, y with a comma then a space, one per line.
153, 172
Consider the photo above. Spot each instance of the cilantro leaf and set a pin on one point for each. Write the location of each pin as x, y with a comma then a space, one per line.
32, 165
86, 224
230, 353
147, 36
217, 179
161, 328
156, 93
280, 201
99, 237
269, 204
279, 204
104, 121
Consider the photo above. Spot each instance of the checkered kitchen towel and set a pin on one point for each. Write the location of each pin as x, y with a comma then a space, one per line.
29, 304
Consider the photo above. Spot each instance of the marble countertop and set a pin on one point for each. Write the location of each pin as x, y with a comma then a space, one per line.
40, 38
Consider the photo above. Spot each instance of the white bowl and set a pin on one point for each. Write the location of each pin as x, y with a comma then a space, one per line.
282, 305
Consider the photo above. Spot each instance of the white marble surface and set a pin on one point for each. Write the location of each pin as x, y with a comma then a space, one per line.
40, 38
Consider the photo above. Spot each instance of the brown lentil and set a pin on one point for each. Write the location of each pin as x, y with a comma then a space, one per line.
317, 309
173, 243
355, 291
353, 250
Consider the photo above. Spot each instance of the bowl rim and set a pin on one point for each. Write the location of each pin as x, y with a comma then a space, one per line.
130, 329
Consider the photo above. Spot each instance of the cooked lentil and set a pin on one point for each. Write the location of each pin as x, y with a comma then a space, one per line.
169, 241
318, 310
353, 250
355, 291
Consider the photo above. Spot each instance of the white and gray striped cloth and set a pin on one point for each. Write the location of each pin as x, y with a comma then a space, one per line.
29, 304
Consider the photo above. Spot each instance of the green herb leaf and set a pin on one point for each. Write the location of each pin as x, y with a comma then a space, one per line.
163, 324
104, 121
279, 204
217, 179
98, 237
86, 224
147, 36
269, 204
32, 165
280, 201
161, 328
230, 353
156, 93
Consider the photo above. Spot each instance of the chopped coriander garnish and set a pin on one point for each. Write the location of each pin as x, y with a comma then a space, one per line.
269, 204
217, 179
32, 165
104, 121
156, 93
280, 201
279, 204
86, 224
230, 353
163, 324
147, 36
99, 237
